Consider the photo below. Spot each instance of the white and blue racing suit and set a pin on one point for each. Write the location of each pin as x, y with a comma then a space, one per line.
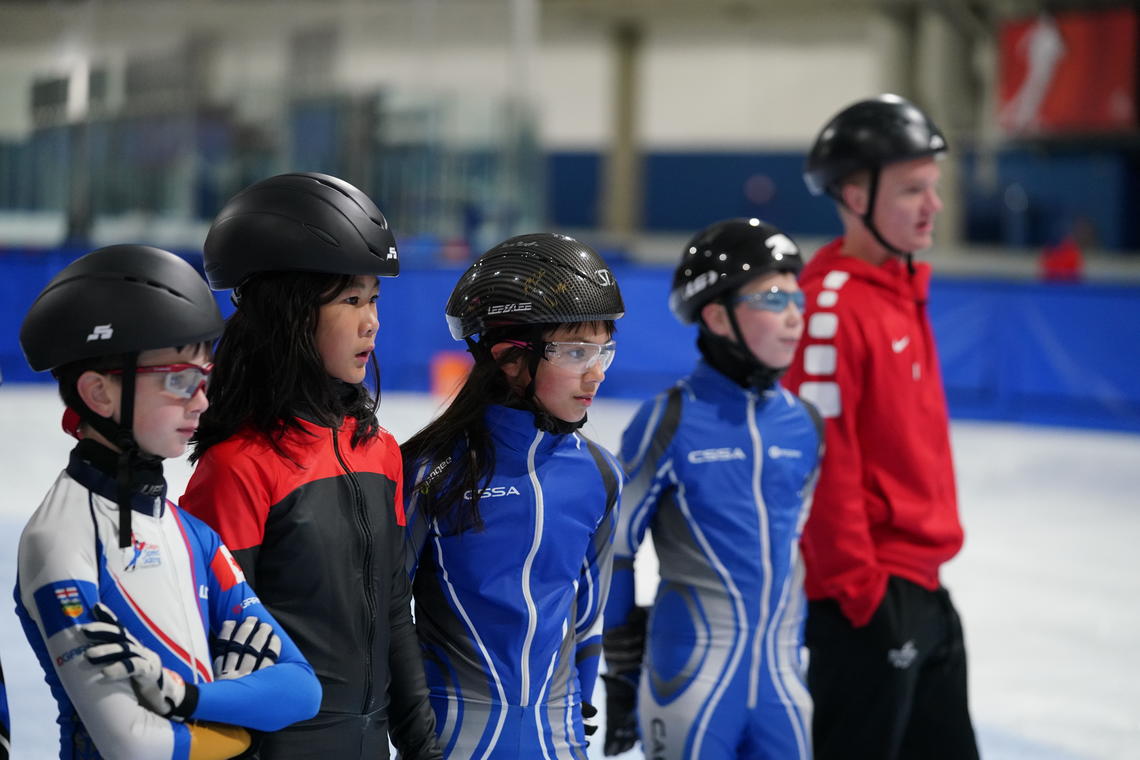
722, 478
173, 589
509, 616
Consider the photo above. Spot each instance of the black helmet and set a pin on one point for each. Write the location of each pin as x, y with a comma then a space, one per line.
117, 300
725, 255
540, 278
303, 222
868, 135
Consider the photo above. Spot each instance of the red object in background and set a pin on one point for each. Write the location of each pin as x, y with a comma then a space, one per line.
1063, 262
1073, 72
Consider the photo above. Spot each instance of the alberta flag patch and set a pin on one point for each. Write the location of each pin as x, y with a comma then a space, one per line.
64, 603
69, 601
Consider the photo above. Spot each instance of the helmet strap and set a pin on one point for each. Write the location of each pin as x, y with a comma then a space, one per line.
121, 435
868, 217
543, 420
733, 358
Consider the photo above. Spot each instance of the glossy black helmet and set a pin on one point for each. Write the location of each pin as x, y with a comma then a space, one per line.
118, 300
302, 222
722, 257
868, 135
539, 278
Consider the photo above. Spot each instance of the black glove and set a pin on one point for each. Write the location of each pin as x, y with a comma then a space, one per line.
588, 725
621, 715
624, 648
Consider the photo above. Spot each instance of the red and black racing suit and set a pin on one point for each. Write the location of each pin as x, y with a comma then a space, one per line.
319, 533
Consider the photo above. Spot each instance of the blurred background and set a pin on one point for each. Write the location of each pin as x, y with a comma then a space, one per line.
627, 123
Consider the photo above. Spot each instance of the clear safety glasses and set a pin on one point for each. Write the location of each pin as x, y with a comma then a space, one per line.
579, 357
181, 380
773, 300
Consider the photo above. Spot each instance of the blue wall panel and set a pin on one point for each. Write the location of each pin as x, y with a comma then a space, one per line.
1020, 351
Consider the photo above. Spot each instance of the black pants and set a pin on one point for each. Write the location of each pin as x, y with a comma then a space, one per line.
894, 689
330, 736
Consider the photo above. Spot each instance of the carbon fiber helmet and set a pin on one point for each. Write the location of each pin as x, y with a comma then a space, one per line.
722, 257
534, 279
868, 135
117, 300
304, 222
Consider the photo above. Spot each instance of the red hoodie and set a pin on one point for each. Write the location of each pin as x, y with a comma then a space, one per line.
885, 503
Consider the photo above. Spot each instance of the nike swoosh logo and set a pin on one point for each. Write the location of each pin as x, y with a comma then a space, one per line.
898, 345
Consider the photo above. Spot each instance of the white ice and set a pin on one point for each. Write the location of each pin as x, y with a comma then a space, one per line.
1048, 584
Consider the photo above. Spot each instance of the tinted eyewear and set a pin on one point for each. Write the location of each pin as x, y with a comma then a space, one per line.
773, 300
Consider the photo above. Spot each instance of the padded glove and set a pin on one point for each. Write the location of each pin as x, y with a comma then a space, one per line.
122, 656
240, 649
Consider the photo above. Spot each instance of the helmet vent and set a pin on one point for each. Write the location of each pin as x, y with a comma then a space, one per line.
156, 285
326, 237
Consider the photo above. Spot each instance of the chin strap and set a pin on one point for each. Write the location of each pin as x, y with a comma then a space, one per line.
733, 359
121, 435
543, 420
869, 222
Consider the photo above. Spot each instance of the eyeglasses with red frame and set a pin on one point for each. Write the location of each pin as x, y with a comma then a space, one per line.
181, 381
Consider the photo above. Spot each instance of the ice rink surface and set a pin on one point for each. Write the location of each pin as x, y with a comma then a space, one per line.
1048, 583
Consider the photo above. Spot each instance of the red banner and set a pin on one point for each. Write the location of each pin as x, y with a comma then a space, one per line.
1074, 72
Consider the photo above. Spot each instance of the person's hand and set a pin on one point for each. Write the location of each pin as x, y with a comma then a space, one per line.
122, 656
240, 649
589, 712
621, 715
624, 648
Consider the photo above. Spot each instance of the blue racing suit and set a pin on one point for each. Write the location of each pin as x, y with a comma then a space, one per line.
722, 477
173, 589
509, 616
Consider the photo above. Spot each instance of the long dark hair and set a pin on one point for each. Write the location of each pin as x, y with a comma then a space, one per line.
268, 370
455, 450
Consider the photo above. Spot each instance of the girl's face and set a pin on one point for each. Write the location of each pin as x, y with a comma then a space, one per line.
564, 392
346, 330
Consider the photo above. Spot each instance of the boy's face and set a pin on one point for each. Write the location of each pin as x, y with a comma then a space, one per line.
346, 330
772, 337
163, 422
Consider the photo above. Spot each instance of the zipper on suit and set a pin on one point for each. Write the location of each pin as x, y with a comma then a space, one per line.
364, 525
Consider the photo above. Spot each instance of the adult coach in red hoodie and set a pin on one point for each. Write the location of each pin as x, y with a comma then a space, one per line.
888, 663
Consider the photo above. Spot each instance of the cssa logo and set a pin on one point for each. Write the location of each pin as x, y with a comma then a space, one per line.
492, 492
704, 456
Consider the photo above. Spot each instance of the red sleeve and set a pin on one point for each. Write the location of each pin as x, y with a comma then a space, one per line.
401, 517
829, 371
231, 495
